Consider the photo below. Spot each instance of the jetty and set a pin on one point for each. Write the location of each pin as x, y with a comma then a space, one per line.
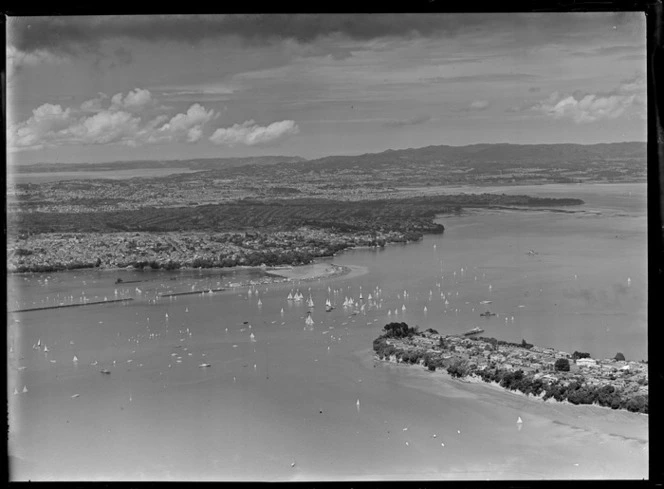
207, 291
60, 306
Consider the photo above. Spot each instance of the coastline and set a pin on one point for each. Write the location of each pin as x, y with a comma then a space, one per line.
610, 427
472, 380
541, 372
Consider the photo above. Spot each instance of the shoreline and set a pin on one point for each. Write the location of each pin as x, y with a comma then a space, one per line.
495, 386
534, 371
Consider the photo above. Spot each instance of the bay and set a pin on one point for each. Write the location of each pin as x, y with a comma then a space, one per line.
290, 396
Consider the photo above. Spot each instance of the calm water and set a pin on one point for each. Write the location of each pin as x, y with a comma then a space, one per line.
290, 396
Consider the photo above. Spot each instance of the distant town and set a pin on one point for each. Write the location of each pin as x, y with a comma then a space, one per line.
532, 370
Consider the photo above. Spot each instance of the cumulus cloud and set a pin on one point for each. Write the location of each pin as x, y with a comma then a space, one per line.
592, 107
187, 126
94, 104
135, 99
50, 125
421, 119
46, 121
250, 133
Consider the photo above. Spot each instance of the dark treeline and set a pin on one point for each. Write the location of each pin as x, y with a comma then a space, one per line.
413, 217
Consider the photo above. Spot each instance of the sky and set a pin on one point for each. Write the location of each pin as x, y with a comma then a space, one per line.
111, 88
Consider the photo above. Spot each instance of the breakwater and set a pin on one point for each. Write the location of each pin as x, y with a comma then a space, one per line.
61, 306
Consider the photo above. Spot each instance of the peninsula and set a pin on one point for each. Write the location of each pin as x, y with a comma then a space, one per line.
540, 372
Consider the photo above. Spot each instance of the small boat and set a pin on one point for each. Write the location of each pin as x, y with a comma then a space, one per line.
486, 302
487, 314
204, 365
104, 371
475, 330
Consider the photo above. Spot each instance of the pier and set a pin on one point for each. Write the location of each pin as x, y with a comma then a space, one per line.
60, 306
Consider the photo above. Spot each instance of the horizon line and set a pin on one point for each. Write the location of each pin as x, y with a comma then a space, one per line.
320, 157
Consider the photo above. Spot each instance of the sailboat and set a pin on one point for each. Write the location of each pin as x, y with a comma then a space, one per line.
310, 302
252, 337
260, 302
290, 297
328, 305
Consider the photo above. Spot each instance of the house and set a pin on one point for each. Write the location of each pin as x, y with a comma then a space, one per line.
586, 362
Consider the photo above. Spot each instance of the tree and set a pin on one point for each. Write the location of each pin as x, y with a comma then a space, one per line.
561, 365
577, 354
620, 357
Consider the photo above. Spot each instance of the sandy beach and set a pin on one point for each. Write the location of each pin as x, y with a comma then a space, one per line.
312, 272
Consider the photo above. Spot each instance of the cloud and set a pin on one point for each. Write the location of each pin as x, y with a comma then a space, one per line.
421, 119
184, 126
68, 33
51, 126
94, 104
46, 121
136, 99
478, 105
103, 128
250, 133
209, 92
593, 107
17, 58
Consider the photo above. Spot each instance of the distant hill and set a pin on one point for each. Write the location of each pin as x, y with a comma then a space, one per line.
512, 155
195, 164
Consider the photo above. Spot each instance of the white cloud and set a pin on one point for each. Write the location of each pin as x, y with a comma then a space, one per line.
46, 121
250, 133
51, 125
94, 104
135, 99
187, 126
587, 108
104, 127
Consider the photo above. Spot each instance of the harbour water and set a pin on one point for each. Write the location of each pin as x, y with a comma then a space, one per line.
192, 395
